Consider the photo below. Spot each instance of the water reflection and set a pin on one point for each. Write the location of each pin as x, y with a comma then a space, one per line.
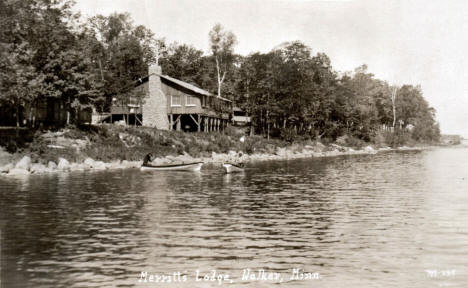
367, 221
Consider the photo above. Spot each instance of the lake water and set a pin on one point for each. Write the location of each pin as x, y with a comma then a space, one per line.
396, 219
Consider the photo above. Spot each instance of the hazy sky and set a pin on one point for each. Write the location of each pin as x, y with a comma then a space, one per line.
404, 42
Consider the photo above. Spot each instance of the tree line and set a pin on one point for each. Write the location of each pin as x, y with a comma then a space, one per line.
47, 50
291, 93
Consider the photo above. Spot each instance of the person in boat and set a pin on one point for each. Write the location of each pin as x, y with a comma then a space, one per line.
148, 159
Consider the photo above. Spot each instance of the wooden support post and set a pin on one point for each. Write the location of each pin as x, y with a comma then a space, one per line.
205, 120
217, 125
178, 123
171, 122
137, 119
198, 122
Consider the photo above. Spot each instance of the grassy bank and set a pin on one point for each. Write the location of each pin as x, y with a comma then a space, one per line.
110, 143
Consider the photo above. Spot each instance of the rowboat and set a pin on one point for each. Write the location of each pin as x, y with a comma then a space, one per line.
196, 166
231, 168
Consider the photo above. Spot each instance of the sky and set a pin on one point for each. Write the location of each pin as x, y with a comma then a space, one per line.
416, 42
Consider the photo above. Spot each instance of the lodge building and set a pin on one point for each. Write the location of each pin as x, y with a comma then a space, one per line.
172, 104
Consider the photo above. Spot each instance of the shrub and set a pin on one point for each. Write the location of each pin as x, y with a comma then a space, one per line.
355, 142
288, 134
398, 138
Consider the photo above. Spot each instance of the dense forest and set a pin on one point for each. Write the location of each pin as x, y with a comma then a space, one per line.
47, 50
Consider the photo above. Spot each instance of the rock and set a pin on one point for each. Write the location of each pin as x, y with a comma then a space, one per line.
281, 151
136, 164
55, 146
99, 165
6, 168
319, 145
89, 162
114, 165
63, 164
24, 163
77, 166
338, 147
385, 148
18, 171
38, 168
51, 165
369, 149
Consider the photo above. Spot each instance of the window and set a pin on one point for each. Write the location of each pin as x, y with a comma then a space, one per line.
203, 101
175, 100
191, 101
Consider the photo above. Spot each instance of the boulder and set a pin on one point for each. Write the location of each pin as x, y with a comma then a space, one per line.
319, 145
63, 164
6, 168
385, 148
99, 165
38, 168
369, 149
281, 151
24, 163
51, 165
114, 165
18, 171
77, 166
89, 162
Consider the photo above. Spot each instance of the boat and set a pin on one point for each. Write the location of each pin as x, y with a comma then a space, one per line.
196, 166
231, 168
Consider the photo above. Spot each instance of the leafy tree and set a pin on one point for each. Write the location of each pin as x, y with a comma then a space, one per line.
121, 55
42, 56
222, 46
183, 62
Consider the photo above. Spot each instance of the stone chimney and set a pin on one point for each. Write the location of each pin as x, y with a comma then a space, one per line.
155, 104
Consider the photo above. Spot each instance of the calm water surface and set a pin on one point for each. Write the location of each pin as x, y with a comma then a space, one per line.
386, 220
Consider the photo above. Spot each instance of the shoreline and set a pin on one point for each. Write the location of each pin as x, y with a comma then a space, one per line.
26, 167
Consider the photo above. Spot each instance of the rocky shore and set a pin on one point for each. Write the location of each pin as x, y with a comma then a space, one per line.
25, 166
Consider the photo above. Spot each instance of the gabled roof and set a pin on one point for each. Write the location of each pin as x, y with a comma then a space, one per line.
190, 87
186, 85
181, 83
